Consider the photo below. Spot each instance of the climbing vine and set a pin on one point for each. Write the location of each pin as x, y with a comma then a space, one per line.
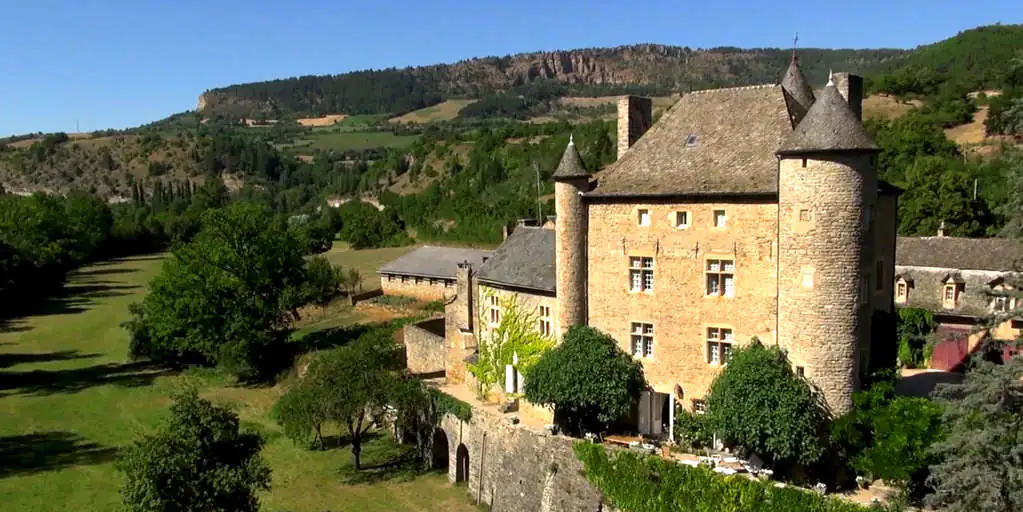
515, 336
643, 483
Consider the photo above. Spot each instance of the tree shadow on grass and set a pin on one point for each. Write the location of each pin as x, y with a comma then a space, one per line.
8, 360
75, 298
49, 451
105, 271
47, 382
383, 460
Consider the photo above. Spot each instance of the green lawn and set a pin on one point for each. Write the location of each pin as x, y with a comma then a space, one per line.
332, 139
69, 399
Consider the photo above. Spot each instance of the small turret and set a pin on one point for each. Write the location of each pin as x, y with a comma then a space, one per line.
798, 95
570, 181
829, 125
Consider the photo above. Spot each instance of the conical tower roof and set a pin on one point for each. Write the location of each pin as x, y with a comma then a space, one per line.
830, 125
796, 85
571, 165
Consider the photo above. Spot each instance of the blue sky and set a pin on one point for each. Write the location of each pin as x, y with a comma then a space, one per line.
120, 63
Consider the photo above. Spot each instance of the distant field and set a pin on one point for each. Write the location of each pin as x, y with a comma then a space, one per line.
444, 111
326, 120
972, 132
70, 400
345, 140
366, 261
882, 106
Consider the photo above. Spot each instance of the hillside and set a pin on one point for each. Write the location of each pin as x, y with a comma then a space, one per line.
647, 68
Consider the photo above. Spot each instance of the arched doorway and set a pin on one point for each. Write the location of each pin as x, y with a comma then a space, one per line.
440, 450
462, 464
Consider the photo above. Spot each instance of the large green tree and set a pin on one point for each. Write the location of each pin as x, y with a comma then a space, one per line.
758, 402
349, 386
226, 298
588, 380
198, 461
982, 457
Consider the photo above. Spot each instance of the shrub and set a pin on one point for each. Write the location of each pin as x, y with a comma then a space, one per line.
323, 280
692, 431
641, 483
588, 380
758, 403
199, 460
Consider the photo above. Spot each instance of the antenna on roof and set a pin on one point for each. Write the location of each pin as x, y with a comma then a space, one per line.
571, 139
795, 44
831, 79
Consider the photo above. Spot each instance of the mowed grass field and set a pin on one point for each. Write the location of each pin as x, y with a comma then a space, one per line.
443, 111
70, 399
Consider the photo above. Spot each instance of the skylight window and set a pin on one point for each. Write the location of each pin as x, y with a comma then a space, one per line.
691, 140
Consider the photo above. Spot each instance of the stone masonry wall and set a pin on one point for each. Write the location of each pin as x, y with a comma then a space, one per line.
825, 265
418, 287
425, 351
635, 116
513, 469
678, 307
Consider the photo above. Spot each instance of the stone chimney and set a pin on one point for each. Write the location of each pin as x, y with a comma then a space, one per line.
463, 301
635, 115
851, 88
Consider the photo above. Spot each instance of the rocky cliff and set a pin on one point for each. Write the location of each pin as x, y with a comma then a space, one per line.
654, 67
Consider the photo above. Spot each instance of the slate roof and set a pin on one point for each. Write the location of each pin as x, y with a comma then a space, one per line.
524, 260
798, 94
571, 165
430, 261
736, 132
998, 254
830, 125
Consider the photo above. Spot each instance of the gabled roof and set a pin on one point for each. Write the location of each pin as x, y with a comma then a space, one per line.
830, 125
997, 254
524, 260
571, 165
714, 142
437, 262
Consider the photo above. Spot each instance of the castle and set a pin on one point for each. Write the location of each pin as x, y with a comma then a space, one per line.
746, 212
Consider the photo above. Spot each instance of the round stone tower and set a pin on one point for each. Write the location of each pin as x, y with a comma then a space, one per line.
827, 186
570, 181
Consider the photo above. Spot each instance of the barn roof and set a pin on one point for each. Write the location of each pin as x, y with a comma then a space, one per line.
998, 254
437, 262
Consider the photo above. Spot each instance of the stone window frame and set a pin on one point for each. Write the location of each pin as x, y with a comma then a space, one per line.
901, 291
956, 291
639, 269
722, 214
719, 341
641, 339
675, 217
1002, 303
494, 309
644, 217
719, 276
545, 323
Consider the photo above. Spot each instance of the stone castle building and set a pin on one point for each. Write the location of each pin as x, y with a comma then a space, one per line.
746, 212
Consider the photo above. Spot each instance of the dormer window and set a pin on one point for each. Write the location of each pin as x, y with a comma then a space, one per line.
691, 140
1003, 301
948, 300
1003, 304
901, 292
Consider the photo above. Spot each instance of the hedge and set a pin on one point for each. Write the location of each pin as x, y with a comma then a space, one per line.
641, 483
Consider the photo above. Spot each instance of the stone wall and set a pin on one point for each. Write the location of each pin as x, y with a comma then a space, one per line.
527, 302
425, 351
513, 469
422, 288
678, 306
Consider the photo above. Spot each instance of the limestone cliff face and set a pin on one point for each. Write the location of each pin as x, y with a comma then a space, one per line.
669, 68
